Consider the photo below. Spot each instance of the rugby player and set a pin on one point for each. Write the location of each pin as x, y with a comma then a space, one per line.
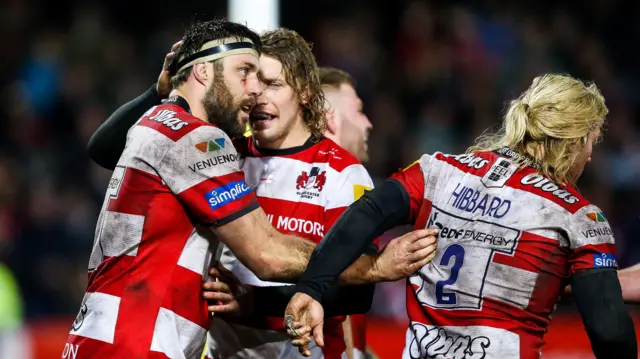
151, 249
303, 181
513, 231
101, 149
349, 127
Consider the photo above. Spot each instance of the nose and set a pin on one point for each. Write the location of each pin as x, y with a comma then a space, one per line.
254, 86
368, 124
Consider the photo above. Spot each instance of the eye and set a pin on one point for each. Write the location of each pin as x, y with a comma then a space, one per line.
244, 71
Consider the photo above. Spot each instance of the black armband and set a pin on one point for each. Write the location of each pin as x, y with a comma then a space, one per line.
107, 143
378, 210
606, 318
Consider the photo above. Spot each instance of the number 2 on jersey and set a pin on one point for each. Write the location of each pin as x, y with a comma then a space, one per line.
454, 253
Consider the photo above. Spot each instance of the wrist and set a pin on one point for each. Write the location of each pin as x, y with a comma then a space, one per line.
375, 270
154, 91
316, 294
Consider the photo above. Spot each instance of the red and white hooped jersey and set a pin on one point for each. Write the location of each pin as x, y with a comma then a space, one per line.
144, 299
509, 240
303, 191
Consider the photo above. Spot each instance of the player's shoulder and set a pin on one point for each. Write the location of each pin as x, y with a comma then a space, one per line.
477, 163
567, 198
336, 157
175, 122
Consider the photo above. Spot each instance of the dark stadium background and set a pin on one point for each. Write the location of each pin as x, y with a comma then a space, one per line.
432, 75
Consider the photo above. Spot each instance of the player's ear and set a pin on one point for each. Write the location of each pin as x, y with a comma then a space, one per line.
332, 120
201, 73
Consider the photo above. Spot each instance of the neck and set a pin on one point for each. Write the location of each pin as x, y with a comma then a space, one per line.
332, 136
197, 108
295, 137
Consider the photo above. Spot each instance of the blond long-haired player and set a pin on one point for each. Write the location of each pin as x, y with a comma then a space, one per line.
514, 231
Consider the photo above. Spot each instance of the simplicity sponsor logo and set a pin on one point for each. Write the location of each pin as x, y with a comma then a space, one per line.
227, 193
604, 260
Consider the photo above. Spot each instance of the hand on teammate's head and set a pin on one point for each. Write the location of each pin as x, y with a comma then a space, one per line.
406, 254
163, 86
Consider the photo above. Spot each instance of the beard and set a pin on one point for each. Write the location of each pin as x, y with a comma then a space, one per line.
222, 110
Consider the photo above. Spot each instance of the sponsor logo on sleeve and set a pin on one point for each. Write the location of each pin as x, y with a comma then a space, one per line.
226, 194
210, 146
597, 216
213, 161
604, 260
597, 232
359, 190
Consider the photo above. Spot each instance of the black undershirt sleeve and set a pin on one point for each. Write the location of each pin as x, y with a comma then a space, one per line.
378, 210
107, 143
339, 300
606, 318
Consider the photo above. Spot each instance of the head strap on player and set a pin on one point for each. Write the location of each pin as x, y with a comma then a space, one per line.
217, 49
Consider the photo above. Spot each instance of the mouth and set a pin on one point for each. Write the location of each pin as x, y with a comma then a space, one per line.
246, 108
260, 116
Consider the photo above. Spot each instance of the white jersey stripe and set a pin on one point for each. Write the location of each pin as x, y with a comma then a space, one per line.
97, 318
498, 274
196, 255
169, 326
124, 233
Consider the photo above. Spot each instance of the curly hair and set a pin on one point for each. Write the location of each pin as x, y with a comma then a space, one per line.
550, 122
301, 73
202, 32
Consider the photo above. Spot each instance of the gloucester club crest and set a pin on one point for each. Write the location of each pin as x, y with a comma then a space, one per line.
310, 184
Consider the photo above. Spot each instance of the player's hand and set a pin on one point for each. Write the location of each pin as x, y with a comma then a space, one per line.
303, 316
227, 294
405, 255
163, 86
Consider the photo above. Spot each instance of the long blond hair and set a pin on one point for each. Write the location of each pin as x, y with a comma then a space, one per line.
549, 123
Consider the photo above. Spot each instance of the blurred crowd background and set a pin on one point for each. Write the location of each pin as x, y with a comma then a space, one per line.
432, 74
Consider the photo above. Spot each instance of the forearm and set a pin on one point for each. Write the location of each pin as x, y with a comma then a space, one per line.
605, 316
339, 300
287, 255
630, 283
377, 211
108, 142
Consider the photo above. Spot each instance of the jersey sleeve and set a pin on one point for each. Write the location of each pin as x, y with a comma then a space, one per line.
350, 185
412, 178
591, 240
202, 170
